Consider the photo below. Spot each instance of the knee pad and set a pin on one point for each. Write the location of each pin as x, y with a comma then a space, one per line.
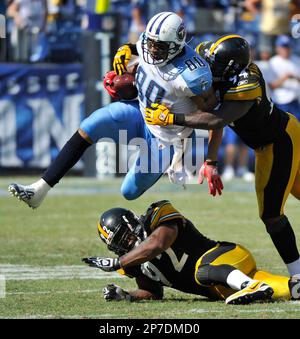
211, 275
202, 276
277, 226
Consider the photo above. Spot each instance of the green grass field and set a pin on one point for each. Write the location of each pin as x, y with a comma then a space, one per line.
41, 251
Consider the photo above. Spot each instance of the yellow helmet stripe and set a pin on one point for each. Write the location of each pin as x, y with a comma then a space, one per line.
217, 43
101, 230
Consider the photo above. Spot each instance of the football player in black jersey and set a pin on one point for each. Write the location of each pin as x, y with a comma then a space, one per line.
163, 248
271, 132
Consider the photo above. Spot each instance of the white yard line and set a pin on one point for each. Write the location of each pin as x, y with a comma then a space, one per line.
102, 316
55, 292
29, 272
237, 310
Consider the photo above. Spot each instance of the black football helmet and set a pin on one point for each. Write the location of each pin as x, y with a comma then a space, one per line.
227, 56
121, 230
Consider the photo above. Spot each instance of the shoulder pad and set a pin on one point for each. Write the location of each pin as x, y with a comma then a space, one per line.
246, 86
163, 211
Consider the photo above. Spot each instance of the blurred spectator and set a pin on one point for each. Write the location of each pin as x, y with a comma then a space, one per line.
2, 7
235, 152
59, 11
248, 20
124, 8
286, 81
63, 40
144, 10
275, 20
263, 62
29, 21
210, 16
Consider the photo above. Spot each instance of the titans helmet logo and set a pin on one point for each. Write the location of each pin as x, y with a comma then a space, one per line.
180, 32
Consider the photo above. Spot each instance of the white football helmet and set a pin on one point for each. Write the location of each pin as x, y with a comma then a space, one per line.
163, 39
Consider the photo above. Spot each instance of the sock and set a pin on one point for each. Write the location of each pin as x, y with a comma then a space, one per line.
41, 189
284, 239
294, 268
41, 186
236, 279
66, 159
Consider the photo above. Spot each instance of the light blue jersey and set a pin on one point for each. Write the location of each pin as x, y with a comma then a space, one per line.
173, 85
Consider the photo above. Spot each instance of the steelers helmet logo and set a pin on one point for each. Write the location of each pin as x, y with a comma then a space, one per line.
180, 32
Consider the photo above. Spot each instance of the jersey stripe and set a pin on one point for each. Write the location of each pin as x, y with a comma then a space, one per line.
158, 209
169, 216
241, 88
244, 94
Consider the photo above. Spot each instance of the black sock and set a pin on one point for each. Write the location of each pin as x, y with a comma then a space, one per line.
66, 159
284, 239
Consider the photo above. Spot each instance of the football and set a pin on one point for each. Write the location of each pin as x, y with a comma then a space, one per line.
124, 85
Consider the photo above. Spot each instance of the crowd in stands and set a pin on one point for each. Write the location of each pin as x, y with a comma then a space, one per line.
38, 28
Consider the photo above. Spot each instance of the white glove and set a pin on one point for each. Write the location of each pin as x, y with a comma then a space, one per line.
115, 292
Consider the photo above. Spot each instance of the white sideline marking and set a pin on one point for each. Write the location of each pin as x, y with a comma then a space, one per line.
55, 292
52, 316
28, 272
236, 310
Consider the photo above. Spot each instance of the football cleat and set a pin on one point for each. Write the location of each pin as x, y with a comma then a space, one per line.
28, 194
294, 286
258, 290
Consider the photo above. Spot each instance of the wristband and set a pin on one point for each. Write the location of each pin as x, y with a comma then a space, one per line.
211, 163
117, 264
129, 297
179, 119
133, 48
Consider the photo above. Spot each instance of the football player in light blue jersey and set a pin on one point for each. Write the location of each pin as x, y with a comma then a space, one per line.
168, 72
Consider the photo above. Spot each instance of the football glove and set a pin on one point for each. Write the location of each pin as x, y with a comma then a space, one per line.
210, 172
121, 59
159, 115
108, 83
115, 292
105, 264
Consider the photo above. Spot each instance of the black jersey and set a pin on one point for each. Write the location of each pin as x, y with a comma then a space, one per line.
264, 122
175, 267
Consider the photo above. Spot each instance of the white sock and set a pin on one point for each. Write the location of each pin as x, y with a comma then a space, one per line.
41, 186
236, 278
294, 268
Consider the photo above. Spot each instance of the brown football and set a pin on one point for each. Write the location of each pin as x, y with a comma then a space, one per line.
125, 87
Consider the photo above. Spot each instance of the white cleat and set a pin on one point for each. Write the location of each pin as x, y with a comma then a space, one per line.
258, 290
31, 196
294, 286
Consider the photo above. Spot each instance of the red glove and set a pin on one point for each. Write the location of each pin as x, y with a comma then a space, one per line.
210, 172
108, 83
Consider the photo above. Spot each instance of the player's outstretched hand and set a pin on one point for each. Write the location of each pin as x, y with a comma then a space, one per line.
115, 292
105, 264
159, 115
210, 172
121, 59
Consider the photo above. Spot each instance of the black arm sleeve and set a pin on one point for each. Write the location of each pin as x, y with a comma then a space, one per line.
133, 49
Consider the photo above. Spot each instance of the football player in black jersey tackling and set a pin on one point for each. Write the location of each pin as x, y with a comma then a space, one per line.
271, 132
163, 248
